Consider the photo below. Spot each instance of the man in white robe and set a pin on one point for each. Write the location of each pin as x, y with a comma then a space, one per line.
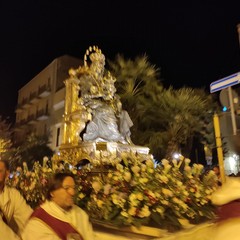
58, 218
14, 212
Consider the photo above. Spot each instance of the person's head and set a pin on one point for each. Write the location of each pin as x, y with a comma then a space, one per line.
62, 190
216, 170
4, 171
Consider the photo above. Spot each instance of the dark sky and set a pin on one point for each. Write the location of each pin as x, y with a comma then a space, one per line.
193, 43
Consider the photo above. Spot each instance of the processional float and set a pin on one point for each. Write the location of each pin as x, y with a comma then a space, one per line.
96, 128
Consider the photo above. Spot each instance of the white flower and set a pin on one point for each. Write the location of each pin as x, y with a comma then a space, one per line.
165, 162
96, 186
150, 170
143, 180
132, 211
185, 193
127, 176
145, 212
107, 189
136, 169
124, 213
160, 210
119, 167
74, 171
175, 163
81, 195
100, 203
109, 175
140, 196
143, 167
167, 192
179, 183
187, 169
149, 163
163, 178
187, 161
132, 197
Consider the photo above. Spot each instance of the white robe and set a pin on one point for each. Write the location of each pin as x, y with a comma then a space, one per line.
16, 211
38, 230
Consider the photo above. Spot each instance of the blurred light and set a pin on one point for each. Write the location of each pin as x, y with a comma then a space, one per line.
176, 155
224, 109
231, 161
231, 164
156, 163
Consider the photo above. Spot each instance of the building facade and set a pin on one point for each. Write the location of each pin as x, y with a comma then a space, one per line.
40, 106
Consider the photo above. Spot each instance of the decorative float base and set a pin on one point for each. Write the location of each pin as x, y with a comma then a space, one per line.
97, 152
202, 231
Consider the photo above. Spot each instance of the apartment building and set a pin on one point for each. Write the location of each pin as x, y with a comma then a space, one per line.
40, 106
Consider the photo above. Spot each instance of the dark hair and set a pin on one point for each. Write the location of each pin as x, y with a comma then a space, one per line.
6, 164
56, 182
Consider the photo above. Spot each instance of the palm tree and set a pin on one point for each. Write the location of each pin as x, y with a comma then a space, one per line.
164, 119
137, 82
183, 108
33, 149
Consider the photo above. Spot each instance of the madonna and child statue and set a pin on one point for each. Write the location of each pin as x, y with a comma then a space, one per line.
95, 124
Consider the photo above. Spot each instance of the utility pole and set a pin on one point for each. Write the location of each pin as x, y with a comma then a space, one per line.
219, 147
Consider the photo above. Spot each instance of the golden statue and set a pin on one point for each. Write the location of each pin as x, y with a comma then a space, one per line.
93, 112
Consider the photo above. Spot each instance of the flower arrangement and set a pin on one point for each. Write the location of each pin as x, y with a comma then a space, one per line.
137, 193
32, 184
132, 191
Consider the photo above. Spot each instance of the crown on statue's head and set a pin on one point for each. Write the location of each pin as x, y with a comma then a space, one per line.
95, 55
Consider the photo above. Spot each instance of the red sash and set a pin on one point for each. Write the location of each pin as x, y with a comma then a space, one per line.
229, 210
61, 228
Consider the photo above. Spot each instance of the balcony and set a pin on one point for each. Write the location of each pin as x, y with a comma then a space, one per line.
59, 99
25, 103
42, 115
19, 108
59, 105
44, 91
19, 126
32, 119
33, 97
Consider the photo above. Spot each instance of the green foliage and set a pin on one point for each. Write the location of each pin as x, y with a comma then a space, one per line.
137, 80
166, 120
33, 150
5, 139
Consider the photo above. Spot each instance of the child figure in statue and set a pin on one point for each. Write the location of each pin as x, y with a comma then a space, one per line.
103, 126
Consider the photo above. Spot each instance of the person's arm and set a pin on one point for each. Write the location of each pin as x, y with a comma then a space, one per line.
22, 210
6, 232
84, 225
228, 192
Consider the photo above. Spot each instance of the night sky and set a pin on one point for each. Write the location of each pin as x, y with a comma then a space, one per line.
193, 43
